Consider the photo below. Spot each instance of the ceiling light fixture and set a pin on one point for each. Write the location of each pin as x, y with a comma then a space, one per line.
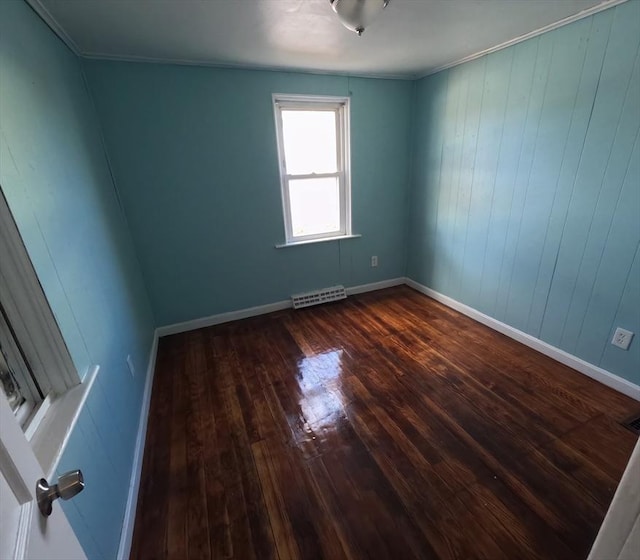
358, 14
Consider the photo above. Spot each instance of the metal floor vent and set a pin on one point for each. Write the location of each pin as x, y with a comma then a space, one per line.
325, 295
633, 424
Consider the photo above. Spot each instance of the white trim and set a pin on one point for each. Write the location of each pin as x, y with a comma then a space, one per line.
219, 318
203, 322
28, 312
605, 377
535, 33
340, 107
46, 16
54, 430
409, 76
590, 370
124, 550
24, 530
38, 416
302, 101
322, 240
373, 286
130, 513
21, 469
239, 66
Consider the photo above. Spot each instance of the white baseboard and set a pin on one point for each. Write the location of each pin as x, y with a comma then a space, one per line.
222, 318
599, 374
603, 376
126, 536
128, 523
262, 309
362, 288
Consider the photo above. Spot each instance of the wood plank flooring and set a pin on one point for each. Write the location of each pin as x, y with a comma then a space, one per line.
383, 426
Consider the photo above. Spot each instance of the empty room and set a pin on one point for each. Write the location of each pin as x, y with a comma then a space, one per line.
301, 279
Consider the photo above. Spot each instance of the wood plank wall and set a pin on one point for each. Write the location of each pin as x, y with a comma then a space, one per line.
526, 186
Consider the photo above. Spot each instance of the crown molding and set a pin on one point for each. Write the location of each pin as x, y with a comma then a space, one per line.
241, 66
53, 24
50, 20
561, 23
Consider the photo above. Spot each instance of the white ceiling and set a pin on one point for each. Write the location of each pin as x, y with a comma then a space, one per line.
410, 38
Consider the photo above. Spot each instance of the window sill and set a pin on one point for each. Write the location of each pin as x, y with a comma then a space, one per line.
51, 435
322, 240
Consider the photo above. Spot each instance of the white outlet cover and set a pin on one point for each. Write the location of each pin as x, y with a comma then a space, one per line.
622, 338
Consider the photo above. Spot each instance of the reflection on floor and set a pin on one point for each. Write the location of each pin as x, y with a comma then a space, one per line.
382, 426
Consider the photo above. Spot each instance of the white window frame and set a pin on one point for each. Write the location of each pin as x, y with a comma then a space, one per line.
341, 107
29, 314
27, 392
63, 392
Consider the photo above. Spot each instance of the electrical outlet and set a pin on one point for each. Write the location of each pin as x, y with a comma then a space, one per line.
374, 261
622, 338
132, 368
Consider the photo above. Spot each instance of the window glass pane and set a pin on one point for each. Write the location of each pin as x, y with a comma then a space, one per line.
309, 141
9, 384
315, 206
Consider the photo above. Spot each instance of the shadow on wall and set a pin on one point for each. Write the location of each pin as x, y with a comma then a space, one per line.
526, 186
57, 183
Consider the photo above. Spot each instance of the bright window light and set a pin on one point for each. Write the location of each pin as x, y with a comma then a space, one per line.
313, 147
315, 206
310, 141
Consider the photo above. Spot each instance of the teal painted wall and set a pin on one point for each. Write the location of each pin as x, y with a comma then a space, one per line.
525, 197
524, 203
194, 153
56, 180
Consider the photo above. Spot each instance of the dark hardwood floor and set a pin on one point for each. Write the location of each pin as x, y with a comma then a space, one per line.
383, 426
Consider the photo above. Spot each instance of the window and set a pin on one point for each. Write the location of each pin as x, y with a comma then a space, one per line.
16, 379
37, 375
313, 147
34, 360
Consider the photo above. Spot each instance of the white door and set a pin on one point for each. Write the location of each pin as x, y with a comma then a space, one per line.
24, 531
619, 535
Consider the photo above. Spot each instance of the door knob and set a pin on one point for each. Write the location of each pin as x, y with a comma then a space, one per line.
69, 484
